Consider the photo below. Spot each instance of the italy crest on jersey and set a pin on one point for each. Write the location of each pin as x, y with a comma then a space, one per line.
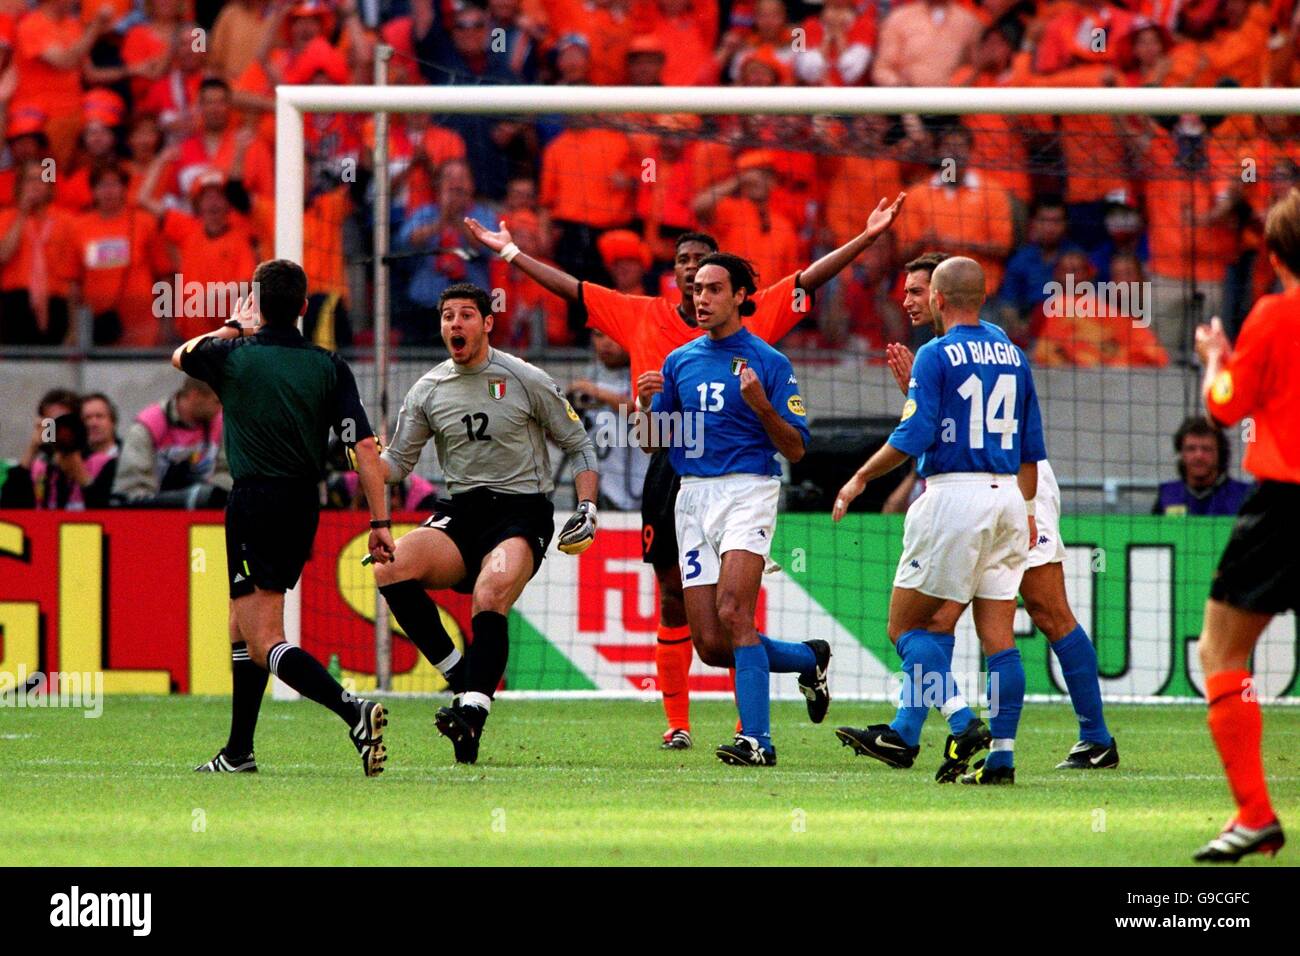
497, 388
738, 365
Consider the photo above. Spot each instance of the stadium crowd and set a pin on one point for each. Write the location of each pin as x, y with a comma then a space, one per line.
139, 145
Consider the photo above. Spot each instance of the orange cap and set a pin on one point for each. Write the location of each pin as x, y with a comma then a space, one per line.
103, 107
756, 159
317, 57
623, 244
26, 121
207, 179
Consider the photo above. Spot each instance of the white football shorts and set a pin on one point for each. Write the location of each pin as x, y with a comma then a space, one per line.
717, 515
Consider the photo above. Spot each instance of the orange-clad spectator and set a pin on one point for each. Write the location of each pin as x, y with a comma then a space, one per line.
331, 138
144, 141
608, 27
644, 62
1086, 324
522, 34
116, 254
923, 42
51, 48
174, 96
1142, 56
627, 260
416, 148
213, 146
1236, 50
770, 31
687, 31
37, 244
763, 66
238, 33
838, 45
663, 201
105, 113
533, 317
148, 46
960, 210
587, 178
322, 246
25, 136
571, 60
1078, 32
117, 8
1192, 225
207, 251
861, 167
745, 223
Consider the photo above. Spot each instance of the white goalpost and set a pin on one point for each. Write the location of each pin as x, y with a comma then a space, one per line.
293, 103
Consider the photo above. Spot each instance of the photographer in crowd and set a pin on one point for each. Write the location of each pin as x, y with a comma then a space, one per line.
69, 463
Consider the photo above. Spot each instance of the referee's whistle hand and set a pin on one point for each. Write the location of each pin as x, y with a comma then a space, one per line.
381, 545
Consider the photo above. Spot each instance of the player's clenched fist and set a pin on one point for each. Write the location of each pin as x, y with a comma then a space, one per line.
852, 488
579, 531
648, 385
751, 390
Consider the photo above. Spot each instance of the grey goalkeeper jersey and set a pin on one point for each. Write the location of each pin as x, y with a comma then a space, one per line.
487, 424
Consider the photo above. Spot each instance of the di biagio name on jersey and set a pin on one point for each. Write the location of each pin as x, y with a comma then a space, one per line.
977, 352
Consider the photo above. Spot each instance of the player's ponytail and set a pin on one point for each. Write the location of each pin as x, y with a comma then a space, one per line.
743, 277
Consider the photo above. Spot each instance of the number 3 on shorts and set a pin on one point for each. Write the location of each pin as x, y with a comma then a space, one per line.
693, 568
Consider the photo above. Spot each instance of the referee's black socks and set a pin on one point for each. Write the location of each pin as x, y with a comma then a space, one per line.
248, 684
419, 617
305, 674
487, 654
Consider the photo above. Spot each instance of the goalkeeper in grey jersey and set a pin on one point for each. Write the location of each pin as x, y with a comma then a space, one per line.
488, 414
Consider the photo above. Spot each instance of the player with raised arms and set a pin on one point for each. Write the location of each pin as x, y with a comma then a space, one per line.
648, 328
744, 395
972, 421
281, 395
488, 414
1043, 588
1259, 574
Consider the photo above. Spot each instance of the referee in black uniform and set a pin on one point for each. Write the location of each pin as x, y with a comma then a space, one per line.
281, 396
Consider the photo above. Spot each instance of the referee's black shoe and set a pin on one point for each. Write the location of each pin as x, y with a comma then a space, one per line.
813, 684
463, 726
225, 763
959, 748
1086, 755
1237, 841
880, 741
367, 735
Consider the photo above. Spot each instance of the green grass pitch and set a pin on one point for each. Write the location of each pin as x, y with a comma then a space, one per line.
583, 782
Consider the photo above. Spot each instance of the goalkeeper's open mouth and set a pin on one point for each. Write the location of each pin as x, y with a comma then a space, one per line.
456, 343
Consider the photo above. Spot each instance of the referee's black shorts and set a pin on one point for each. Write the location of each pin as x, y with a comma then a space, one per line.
479, 520
659, 511
1260, 567
270, 527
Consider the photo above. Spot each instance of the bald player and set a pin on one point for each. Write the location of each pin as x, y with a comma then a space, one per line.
972, 421
648, 328
1043, 586
488, 414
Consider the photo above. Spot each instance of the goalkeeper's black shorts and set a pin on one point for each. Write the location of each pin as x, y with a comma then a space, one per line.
659, 512
1260, 567
479, 520
270, 527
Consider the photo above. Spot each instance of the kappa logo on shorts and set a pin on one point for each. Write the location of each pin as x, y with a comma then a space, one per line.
738, 365
914, 564
1042, 539
762, 533
497, 388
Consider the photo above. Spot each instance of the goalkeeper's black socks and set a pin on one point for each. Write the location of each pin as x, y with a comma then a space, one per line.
305, 674
419, 617
487, 654
248, 686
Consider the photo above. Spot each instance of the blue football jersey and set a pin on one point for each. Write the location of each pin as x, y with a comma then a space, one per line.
971, 405
719, 433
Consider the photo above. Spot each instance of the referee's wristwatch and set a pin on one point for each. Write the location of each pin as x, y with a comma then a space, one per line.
381, 523
233, 324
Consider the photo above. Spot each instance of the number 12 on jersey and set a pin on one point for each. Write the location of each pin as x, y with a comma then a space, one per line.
998, 418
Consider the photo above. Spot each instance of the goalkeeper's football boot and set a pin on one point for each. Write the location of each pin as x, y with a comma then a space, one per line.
813, 684
959, 748
989, 776
676, 739
880, 741
746, 752
463, 726
1237, 841
1089, 756
367, 735
224, 763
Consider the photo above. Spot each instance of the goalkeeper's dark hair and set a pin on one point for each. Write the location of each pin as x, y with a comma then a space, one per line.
701, 237
466, 290
742, 275
1282, 231
927, 262
281, 290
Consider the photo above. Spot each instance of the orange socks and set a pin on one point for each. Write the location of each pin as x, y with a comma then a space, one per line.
673, 655
1238, 728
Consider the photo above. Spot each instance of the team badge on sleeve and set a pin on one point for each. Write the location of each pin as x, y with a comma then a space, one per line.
909, 409
795, 404
497, 388
1221, 390
738, 365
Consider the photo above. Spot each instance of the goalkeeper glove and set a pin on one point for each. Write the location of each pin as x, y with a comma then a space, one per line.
580, 530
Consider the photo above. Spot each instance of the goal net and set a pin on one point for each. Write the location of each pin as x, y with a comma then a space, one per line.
1109, 224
